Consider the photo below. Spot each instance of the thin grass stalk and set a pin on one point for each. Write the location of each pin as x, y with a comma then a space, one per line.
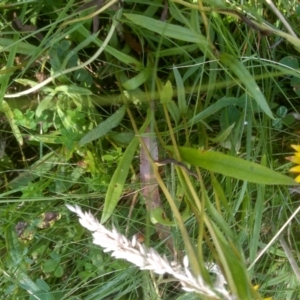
177, 215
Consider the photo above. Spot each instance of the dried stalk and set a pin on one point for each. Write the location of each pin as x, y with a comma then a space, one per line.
148, 258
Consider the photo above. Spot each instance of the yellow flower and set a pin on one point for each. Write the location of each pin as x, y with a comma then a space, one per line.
256, 288
295, 159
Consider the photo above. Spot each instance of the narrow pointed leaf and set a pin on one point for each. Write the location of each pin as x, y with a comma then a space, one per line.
172, 31
233, 265
232, 166
247, 79
165, 29
166, 93
138, 80
104, 127
118, 179
180, 92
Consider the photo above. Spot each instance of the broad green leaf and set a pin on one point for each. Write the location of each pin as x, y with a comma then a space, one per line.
277, 123
288, 120
50, 265
118, 179
138, 80
232, 166
247, 79
81, 75
171, 31
42, 285
59, 271
230, 115
281, 111
290, 61
180, 92
166, 93
104, 127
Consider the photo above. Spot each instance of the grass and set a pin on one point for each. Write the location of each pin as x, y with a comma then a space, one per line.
212, 85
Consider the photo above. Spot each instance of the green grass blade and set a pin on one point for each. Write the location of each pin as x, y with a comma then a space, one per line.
171, 31
180, 92
218, 105
137, 80
232, 166
163, 28
234, 268
243, 74
118, 179
119, 55
104, 127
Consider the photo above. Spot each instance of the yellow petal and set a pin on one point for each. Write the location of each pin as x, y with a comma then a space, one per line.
297, 179
294, 159
295, 169
256, 288
296, 147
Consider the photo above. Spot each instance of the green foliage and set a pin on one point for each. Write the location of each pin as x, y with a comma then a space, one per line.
190, 79
232, 167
